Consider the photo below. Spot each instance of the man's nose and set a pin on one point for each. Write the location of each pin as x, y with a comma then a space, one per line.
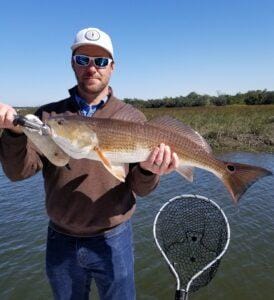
91, 67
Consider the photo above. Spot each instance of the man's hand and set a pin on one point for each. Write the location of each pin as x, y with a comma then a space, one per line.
7, 114
161, 161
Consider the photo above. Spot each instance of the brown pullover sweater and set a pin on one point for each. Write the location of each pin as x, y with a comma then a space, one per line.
84, 199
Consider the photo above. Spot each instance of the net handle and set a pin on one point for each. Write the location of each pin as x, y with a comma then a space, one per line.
181, 295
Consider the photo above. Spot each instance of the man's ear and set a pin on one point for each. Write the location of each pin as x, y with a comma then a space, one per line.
112, 66
72, 63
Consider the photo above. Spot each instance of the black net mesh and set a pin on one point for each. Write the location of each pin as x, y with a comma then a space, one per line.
192, 232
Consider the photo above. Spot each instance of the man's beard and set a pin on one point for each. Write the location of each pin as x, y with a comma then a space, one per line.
91, 88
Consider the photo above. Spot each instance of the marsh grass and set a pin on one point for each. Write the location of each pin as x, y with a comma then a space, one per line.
227, 128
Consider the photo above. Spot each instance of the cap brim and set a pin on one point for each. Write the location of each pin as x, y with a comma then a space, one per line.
75, 46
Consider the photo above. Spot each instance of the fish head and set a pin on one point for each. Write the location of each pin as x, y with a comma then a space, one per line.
75, 137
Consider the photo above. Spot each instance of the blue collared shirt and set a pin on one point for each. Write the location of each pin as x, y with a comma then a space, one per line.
86, 109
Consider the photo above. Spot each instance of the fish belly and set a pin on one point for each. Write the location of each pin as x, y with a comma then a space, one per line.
128, 156
117, 156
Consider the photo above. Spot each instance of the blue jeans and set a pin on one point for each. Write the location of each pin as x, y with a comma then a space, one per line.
72, 263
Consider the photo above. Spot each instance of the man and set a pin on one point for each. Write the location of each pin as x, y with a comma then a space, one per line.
89, 234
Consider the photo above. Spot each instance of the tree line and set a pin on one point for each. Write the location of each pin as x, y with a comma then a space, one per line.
255, 97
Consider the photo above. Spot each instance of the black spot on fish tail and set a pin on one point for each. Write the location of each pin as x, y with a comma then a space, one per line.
230, 168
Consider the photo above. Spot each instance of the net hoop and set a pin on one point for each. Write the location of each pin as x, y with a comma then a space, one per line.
165, 256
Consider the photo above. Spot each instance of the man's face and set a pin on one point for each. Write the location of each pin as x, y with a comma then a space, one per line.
91, 79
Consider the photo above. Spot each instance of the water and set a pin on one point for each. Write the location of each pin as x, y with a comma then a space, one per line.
246, 271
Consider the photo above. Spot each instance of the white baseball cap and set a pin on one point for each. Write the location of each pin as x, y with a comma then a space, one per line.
93, 36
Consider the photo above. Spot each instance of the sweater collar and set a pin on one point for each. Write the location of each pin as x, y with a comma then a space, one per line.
84, 108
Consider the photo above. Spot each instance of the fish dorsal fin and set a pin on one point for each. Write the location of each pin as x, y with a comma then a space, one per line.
128, 113
167, 122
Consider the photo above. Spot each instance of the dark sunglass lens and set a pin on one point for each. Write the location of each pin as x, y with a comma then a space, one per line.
101, 61
82, 60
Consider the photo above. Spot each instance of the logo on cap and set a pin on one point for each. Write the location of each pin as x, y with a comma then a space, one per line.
92, 35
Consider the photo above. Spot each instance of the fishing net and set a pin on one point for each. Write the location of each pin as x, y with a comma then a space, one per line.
192, 232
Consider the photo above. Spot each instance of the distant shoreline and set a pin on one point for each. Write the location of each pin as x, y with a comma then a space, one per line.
226, 128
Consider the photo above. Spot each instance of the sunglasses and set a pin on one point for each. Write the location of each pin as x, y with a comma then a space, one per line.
84, 61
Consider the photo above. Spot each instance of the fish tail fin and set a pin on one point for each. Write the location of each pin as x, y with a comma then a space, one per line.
239, 177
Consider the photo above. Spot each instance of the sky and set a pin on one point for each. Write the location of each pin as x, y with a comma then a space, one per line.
161, 48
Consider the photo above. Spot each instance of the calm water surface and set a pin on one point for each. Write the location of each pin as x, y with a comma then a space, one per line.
246, 271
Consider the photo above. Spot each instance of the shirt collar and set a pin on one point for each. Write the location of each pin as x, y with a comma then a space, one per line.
86, 109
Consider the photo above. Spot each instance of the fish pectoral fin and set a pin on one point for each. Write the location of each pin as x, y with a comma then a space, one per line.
186, 172
117, 170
